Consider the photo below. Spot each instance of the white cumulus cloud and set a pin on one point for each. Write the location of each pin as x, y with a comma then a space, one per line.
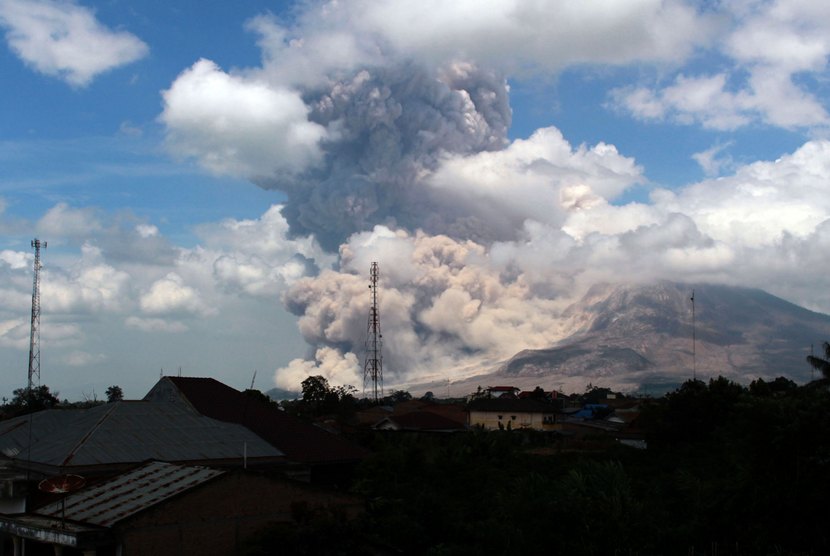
65, 40
237, 125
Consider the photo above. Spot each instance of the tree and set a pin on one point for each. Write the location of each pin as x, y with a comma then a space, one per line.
821, 364
315, 389
114, 394
399, 396
29, 401
321, 398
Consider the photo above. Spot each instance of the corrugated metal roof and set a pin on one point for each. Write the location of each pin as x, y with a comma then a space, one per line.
300, 441
129, 493
128, 432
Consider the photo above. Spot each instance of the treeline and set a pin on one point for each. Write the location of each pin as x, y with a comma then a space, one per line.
37, 398
729, 470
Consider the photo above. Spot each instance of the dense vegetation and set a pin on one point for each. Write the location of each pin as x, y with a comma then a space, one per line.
729, 470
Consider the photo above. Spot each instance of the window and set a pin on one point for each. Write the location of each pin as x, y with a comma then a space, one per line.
512, 417
500, 416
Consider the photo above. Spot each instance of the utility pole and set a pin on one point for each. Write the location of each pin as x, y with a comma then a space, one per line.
694, 339
373, 368
34, 336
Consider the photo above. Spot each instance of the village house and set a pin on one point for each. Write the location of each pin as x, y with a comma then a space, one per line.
194, 460
507, 413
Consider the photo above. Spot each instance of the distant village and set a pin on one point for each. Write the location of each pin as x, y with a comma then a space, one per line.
144, 476
198, 467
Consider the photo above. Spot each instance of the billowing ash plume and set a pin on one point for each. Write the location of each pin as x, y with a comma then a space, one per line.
389, 128
385, 124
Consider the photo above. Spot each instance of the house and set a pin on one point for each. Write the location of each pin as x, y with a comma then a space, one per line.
111, 437
502, 391
325, 456
165, 509
511, 413
202, 432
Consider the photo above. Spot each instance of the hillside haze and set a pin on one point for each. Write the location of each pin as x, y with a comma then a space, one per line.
630, 336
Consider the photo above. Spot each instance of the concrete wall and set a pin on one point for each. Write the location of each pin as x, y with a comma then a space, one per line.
518, 420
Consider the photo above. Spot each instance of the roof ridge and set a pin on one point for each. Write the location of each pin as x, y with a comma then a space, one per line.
86, 437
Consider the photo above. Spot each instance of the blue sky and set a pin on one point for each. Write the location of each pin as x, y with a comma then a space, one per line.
214, 180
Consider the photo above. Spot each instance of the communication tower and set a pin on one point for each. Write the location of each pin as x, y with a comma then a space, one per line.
373, 368
34, 336
694, 339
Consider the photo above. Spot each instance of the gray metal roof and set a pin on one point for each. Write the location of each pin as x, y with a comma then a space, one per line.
127, 432
129, 493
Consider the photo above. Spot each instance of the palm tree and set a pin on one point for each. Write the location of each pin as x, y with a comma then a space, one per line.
821, 364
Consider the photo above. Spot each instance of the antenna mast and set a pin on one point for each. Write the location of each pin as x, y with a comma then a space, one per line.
373, 368
34, 336
694, 339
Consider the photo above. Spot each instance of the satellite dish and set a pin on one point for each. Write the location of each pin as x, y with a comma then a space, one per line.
62, 484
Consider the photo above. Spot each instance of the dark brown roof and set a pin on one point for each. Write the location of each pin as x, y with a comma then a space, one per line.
300, 441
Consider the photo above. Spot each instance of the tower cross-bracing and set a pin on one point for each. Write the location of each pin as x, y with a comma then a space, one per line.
373, 367
34, 335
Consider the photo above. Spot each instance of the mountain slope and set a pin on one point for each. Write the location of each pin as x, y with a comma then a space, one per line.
630, 335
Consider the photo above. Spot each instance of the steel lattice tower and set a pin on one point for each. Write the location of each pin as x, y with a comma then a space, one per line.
34, 336
373, 368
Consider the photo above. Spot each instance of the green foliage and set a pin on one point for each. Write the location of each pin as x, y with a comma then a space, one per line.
398, 396
114, 394
26, 401
261, 397
320, 398
731, 471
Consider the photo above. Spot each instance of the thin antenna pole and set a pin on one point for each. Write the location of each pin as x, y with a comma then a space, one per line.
34, 336
694, 339
812, 369
373, 368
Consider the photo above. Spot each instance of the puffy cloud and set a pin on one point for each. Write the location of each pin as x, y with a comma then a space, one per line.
65, 40
14, 334
775, 46
89, 285
62, 221
711, 160
83, 358
393, 104
170, 295
338, 368
15, 259
762, 201
155, 325
237, 125
511, 35
540, 178
688, 100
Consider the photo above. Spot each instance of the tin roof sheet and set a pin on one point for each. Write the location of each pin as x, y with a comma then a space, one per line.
127, 432
129, 493
302, 442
